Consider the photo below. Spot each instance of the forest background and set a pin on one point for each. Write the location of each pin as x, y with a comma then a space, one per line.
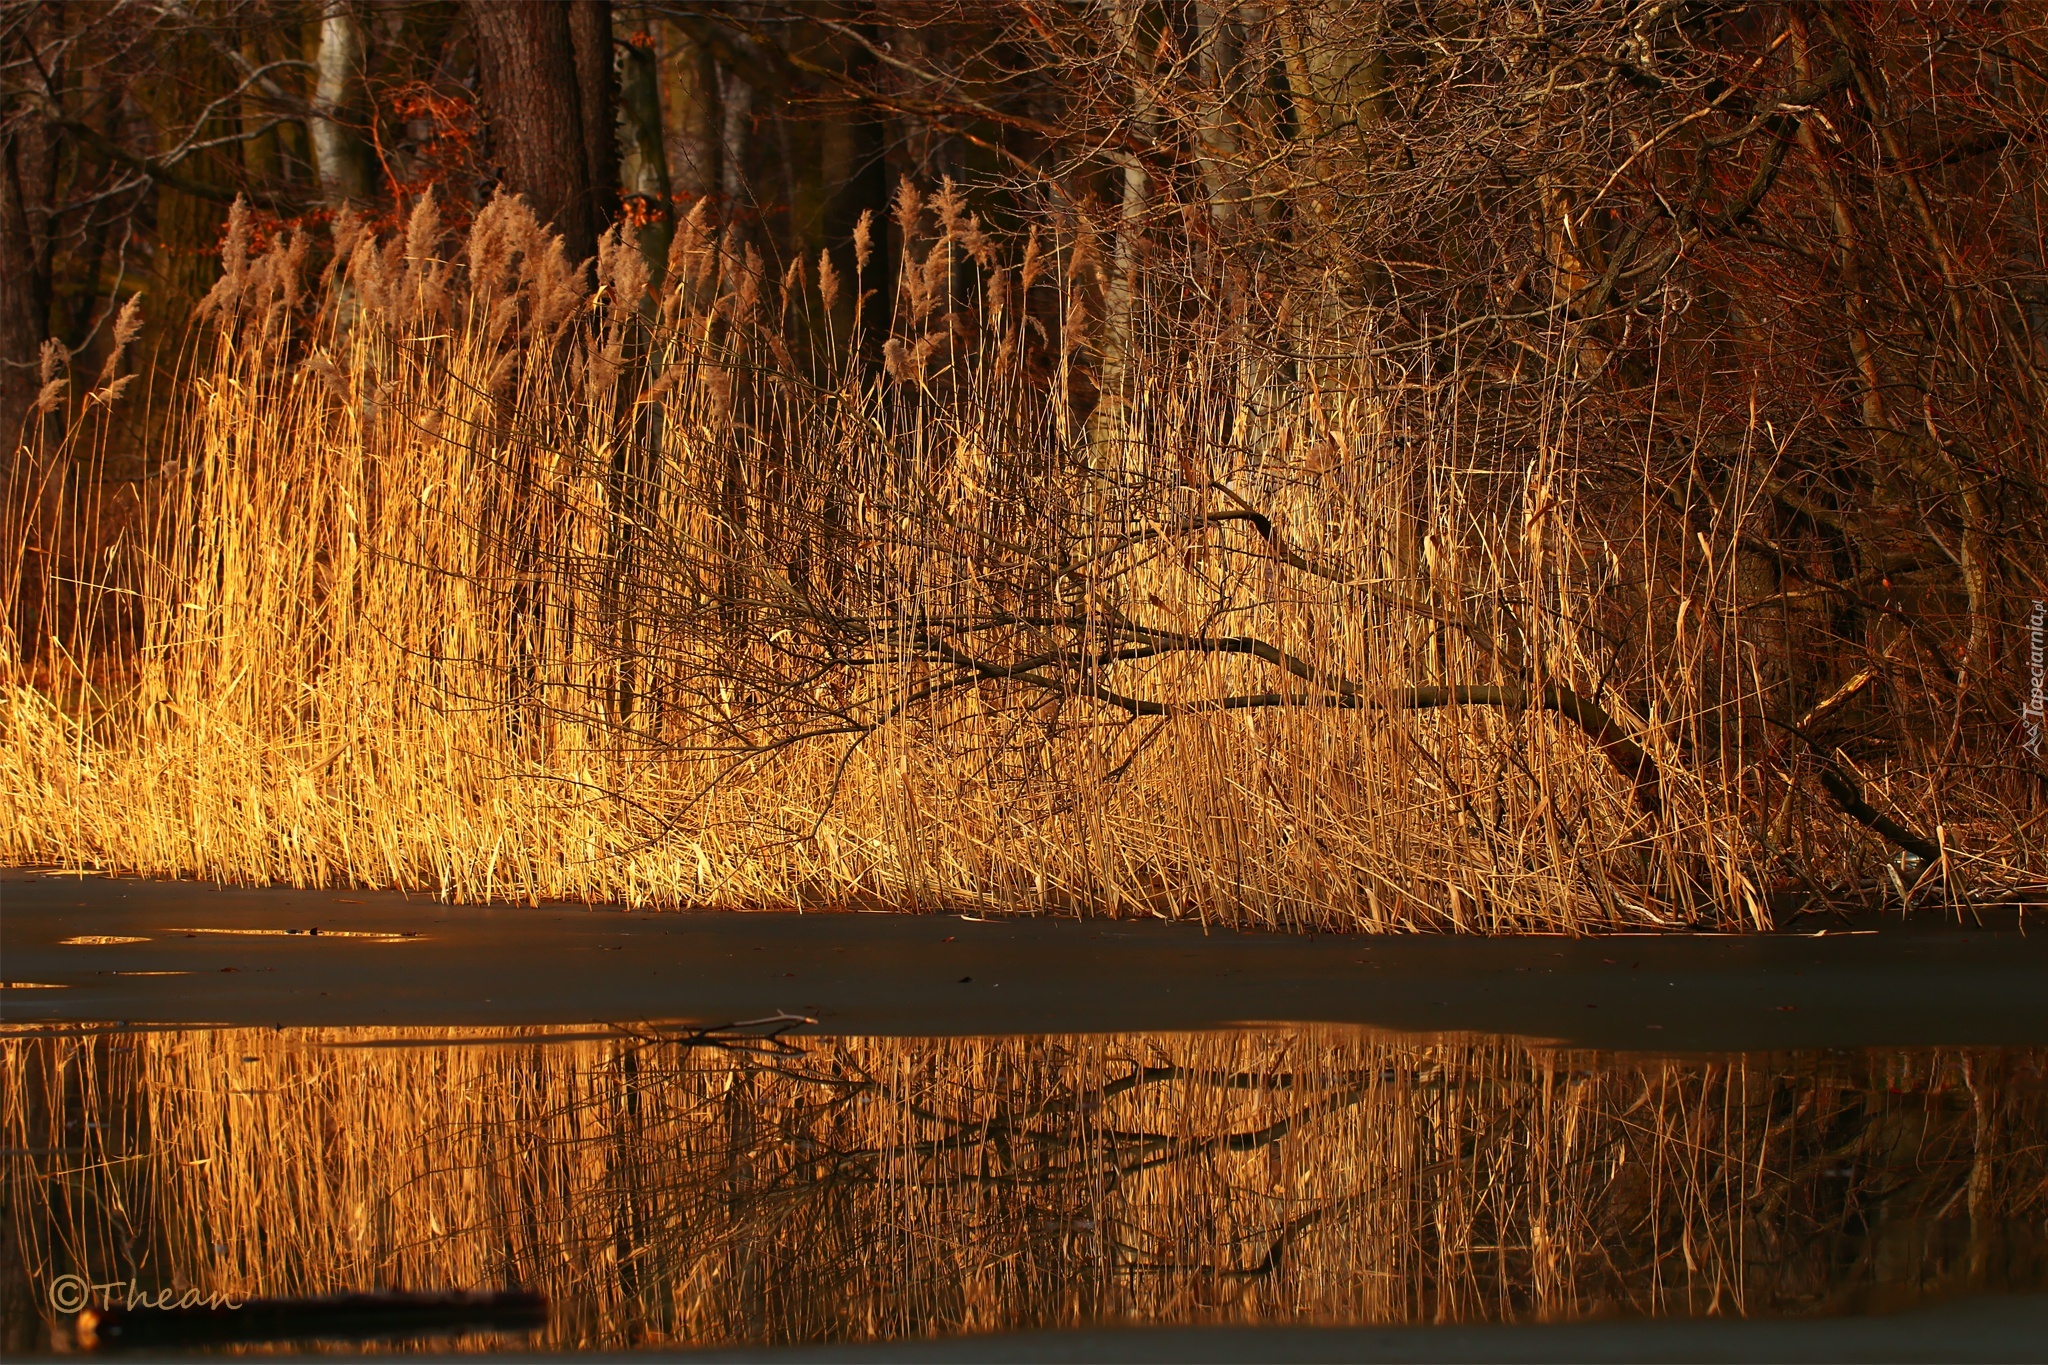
1375, 463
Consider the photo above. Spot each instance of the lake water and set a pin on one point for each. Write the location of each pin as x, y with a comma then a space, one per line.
180, 1115
673, 1187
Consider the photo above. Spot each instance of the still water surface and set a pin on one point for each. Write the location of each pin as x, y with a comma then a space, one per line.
667, 1186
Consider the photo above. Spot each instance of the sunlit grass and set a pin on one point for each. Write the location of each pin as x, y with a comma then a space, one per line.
457, 579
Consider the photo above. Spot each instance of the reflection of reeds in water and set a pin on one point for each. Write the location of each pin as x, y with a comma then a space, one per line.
725, 1189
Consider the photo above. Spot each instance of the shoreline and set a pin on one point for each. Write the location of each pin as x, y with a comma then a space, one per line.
236, 956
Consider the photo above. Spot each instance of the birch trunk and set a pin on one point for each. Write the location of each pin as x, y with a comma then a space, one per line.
1110, 422
340, 158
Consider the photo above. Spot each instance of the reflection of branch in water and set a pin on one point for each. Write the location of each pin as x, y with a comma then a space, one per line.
740, 1182
733, 1037
1156, 1148
1152, 1148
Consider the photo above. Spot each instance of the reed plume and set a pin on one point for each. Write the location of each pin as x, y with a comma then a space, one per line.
460, 570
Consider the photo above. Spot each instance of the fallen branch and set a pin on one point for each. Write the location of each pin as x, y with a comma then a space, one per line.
1850, 798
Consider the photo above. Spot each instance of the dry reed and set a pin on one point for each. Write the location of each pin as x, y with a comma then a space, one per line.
458, 576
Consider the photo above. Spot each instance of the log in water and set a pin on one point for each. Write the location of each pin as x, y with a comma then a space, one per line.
336, 1317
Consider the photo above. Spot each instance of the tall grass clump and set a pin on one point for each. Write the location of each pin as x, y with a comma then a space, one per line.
701, 583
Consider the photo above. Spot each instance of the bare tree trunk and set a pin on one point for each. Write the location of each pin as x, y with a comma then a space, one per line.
26, 166
340, 158
261, 160
690, 110
1120, 302
1215, 32
590, 34
644, 160
189, 217
1335, 60
735, 135
526, 63
28, 173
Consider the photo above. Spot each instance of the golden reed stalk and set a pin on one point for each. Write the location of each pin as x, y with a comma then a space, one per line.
450, 574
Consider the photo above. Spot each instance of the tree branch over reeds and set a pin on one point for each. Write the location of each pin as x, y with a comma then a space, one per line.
1296, 465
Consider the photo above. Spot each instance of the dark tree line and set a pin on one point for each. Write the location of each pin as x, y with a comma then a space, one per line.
127, 130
